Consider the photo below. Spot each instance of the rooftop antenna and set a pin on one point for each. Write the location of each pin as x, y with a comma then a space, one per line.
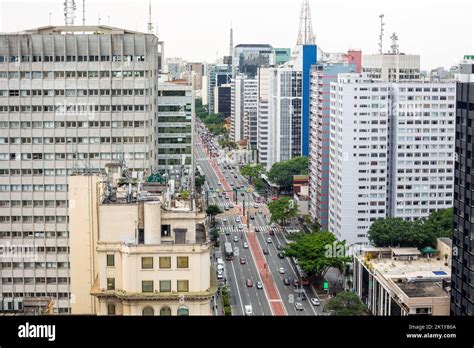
50, 18
305, 33
381, 33
394, 46
69, 12
98, 19
150, 23
231, 45
83, 12
108, 21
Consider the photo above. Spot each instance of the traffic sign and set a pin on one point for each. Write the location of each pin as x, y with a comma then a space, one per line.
326, 285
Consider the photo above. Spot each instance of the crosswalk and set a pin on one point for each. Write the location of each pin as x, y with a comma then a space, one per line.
224, 204
229, 229
267, 228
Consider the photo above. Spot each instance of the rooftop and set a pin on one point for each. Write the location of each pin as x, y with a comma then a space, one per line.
423, 289
78, 29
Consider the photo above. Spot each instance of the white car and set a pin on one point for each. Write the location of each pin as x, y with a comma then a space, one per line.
299, 306
315, 301
236, 238
269, 240
220, 276
281, 270
224, 219
246, 245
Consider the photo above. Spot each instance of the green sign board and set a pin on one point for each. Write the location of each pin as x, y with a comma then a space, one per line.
326, 285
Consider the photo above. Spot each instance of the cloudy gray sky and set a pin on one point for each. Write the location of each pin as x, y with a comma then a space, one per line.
197, 30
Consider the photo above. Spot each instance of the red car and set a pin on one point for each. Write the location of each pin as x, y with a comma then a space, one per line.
249, 283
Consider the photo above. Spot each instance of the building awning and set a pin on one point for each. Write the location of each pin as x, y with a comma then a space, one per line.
428, 250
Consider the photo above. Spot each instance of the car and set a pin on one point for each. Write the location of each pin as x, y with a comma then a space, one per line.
242, 194
299, 306
224, 219
259, 285
315, 301
226, 176
220, 276
272, 233
243, 260
226, 197
235, 176
236, 238
241, 227
237, 219
215, 196
220, 195
249, 283
227, 232
281, 255
231, 184
220, 270
281, 270
296, 282
269, 240
246, 245
252, 217
257, 229
255, 206
226, 208
231, 205
278, 247
265, 251
286, 281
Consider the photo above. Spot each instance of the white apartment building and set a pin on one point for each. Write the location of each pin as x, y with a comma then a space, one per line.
391, 67
244, 110
175, 126
69, 102
145, 254
391, 152
263, 133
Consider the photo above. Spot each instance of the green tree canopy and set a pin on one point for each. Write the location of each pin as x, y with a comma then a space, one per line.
184, 194
252, 171
199, 181
212, 210
393, 232
317, 252
282, 173
346, 303
282, 209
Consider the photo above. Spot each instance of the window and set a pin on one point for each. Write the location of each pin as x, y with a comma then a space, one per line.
165, 311
165, 262
110, 260
165, 285
148, 311
147, 286
111, 309
183, 311
183, 285
147, 262
183, 262
110, 283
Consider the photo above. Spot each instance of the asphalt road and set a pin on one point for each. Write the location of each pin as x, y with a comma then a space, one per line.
237, 274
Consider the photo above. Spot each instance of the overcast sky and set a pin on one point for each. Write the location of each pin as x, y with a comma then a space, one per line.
198, 30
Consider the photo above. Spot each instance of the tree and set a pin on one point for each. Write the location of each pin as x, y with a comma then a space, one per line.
317, 252
212, 210
252, 171
346, 303
282, 209
184, 194
312, 224
393, 232
282, 173
199, 181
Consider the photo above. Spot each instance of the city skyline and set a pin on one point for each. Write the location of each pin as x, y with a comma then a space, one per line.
440, 44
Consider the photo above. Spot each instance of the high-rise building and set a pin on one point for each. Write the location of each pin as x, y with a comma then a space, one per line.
244, 110
193, 74
175, 129
396, 67
176, 67
70, 101
462, 288
322, 74
137, 252
391, 152
282, 55
217, 75
222, 99
249, 57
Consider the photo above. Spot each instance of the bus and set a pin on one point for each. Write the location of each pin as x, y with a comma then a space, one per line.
257, 197
229, 252
302, 275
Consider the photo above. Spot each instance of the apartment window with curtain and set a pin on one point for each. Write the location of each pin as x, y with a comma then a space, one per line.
147, 286
165, 262
183, 262
183, 285
147, 262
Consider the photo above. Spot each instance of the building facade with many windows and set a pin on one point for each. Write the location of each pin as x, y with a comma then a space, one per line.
69, 102
391, 152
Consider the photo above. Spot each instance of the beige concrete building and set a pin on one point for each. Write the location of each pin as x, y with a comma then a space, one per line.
402, 281
138, 253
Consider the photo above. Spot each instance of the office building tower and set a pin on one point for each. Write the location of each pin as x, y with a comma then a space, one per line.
394, 67
249, 57
218, 75
175, 130
222, 99
176, 67
282, 55
71, 100
193, 74
322, 74
462, 285
391, 152
138, 251
244, 110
